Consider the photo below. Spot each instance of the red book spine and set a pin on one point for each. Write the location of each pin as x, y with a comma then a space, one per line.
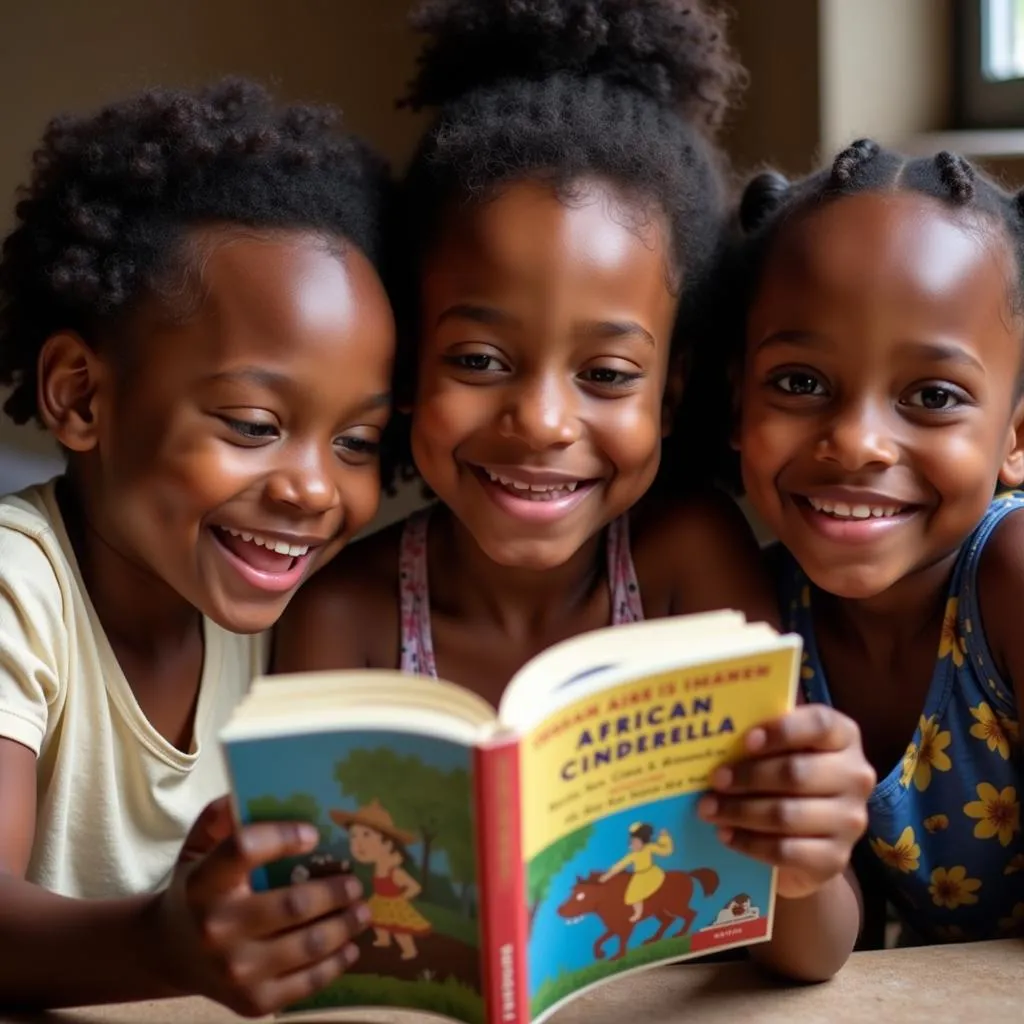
502, 885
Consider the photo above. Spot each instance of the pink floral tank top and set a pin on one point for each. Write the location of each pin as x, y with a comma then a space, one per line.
414, 594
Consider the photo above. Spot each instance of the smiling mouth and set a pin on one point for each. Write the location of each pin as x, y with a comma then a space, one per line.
844, 510
533, 491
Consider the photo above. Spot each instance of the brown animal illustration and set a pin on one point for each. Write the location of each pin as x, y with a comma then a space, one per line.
608, 901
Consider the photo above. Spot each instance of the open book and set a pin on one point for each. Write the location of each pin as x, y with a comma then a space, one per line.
512, 859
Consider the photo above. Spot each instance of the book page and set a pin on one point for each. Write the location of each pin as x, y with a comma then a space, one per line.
397, 809
620, 871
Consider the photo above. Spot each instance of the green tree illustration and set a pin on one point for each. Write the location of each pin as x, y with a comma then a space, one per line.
433, 803
549, 862
297, 807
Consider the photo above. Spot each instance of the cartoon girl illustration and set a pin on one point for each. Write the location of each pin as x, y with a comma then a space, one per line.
374, 839
647, 876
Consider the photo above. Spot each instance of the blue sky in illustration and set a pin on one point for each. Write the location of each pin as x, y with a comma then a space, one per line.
558, 947
284, 766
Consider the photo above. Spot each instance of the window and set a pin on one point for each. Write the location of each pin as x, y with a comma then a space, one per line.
989, 39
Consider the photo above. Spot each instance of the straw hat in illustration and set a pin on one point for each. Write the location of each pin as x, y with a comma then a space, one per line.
374, 816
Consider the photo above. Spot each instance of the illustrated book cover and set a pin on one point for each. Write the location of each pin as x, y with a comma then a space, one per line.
514, 858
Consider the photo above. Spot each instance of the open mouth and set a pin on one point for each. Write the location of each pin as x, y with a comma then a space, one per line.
265, 562
267, 554
842, 510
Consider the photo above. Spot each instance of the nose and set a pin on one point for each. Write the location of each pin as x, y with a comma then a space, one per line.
542, 412
305, 480
858, 435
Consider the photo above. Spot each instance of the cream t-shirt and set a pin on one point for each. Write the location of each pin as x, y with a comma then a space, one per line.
115, 799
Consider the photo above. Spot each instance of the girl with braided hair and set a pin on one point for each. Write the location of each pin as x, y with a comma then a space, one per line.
880, 436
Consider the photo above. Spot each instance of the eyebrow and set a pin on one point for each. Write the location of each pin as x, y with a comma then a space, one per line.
256, 375
592, 329
480, 314
932, 351
273, 381
617, 329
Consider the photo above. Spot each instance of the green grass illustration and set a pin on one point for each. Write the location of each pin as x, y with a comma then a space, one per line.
450, 922
555, 989
448, 997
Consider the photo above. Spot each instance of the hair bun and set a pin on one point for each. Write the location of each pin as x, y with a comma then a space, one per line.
674, 50
763, 194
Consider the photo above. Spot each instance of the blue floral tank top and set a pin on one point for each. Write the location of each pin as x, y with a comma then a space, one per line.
945, 822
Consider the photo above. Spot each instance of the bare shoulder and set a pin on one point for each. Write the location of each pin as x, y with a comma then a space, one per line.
346, 616
700, 554
1001, 596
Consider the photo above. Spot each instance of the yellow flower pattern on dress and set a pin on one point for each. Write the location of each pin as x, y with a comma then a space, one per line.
991, 729
998, 813
1016, 864
1014, 924
903, 855
909, 765
950, 643
932, 752
951, 888
945, 825
806, 672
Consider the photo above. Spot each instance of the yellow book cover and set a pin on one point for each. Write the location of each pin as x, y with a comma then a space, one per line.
512, 859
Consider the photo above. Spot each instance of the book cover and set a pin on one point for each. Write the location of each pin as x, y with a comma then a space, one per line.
621, 872
511, 860
397, 809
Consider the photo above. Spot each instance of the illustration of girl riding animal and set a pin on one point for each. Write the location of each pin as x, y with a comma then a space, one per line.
374, 839
647, 877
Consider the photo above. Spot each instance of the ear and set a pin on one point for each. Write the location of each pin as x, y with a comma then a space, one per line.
674, 385
1011, 473
70, 378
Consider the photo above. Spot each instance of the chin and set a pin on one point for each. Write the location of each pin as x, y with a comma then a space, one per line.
855, 583
535, 556
246, 620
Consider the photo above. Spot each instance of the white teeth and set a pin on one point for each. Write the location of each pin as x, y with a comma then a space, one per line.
541, 490
280, 546
840, 510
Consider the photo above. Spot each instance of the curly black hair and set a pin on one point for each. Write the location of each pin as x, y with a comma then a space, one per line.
629, 91
769, 201
104, 219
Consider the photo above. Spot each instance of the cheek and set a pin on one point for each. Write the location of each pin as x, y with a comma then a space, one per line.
629, 431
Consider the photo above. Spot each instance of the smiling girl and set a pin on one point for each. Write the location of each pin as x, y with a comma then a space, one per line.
563, 210
882, 410
189, 304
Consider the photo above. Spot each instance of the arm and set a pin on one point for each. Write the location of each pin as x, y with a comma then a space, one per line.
346, 616
663, 845
618, 867
208, 934
813, 936
410, 887
105, 948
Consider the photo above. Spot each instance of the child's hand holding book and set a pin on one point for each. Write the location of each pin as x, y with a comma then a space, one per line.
255, 952
799, 801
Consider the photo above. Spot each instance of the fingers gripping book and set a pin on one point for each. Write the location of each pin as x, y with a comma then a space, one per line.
512, 860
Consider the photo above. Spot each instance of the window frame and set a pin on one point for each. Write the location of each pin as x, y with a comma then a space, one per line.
980, 101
